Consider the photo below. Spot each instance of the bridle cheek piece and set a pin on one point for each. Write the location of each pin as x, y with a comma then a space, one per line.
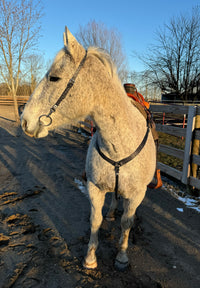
47, 117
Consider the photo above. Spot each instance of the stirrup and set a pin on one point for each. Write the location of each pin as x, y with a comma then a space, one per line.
159, 181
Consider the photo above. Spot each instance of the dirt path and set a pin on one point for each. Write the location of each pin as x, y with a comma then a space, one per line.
44, 223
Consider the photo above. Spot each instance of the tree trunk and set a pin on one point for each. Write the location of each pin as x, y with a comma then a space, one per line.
16, 108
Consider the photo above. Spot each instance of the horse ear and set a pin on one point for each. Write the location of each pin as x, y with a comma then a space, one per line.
65, 39
76, 50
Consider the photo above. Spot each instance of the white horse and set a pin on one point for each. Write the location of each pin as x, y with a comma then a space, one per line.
96, 91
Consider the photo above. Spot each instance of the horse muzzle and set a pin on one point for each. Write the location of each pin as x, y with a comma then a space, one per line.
37, 132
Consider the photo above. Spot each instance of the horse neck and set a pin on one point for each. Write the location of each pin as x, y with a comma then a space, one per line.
118, 123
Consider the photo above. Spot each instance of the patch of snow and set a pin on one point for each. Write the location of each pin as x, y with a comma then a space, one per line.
174, 189
179, 209
81, 187
190, 203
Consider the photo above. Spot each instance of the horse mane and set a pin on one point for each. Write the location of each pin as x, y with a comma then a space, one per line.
105, 58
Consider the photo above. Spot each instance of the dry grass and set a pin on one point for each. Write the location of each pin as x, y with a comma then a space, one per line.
172, 141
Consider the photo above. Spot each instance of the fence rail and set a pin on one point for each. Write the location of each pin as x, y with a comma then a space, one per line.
190, 133
8, 100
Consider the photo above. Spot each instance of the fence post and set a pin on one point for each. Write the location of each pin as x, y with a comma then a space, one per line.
195, 146
188, 144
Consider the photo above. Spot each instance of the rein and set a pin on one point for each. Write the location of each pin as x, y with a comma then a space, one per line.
63, 95
118, 164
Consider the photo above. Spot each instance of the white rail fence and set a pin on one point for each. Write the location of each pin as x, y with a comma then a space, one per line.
190, 133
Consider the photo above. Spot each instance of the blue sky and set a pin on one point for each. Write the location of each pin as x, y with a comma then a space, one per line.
136, 20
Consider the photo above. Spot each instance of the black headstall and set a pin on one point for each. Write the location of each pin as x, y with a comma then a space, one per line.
62, 96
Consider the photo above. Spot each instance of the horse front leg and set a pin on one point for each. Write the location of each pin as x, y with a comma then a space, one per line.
97, 198
110, 216
127, 220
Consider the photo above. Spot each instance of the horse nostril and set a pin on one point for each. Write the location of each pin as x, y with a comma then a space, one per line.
24, 124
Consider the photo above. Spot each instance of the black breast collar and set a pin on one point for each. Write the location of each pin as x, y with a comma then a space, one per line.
118, 164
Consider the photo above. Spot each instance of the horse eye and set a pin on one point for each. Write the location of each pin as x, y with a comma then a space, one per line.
54, 78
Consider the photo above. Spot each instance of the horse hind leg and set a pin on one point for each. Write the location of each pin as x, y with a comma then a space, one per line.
97, 198
127, 220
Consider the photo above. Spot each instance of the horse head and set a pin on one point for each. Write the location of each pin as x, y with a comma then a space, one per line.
36, 120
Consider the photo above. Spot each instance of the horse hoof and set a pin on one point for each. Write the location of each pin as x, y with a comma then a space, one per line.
121, 266
90, 265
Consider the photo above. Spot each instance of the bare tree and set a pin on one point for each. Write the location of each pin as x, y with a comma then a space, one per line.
173, 62
19, 32
97, 34
34, 65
